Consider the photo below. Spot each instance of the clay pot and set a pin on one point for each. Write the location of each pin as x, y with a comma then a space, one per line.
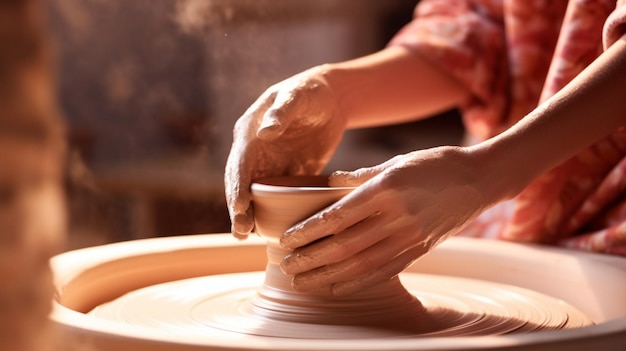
281, 202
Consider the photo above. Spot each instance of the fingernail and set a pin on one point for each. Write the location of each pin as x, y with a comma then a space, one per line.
302, 285
243, 223
238, 233
287, 265
338, 176
345, 288
240, 236
287, 242
341, 178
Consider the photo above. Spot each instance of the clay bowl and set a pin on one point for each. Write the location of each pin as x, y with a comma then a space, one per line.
384, 310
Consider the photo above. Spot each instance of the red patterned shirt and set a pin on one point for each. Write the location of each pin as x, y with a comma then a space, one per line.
512, 55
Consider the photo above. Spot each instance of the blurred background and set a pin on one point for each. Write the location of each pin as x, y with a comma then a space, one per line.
151, 89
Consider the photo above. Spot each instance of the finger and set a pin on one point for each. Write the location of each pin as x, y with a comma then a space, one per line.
240, 196
364, 262
384, 273
348, 211
243, 224
359, 176
352, 178
335, 248
241, 212
237, 181
238, 202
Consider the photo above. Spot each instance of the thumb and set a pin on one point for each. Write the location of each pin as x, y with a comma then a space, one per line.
278, 117
272, 126
353, 178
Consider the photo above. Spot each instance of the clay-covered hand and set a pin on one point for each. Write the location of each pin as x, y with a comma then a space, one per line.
292, 129
399, 211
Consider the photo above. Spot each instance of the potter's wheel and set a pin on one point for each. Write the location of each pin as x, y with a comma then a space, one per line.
221, 306
194, 293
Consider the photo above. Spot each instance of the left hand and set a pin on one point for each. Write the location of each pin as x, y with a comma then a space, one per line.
399, 211
293, 128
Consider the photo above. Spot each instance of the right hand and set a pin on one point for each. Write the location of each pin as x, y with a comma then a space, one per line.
293, 128
399, 211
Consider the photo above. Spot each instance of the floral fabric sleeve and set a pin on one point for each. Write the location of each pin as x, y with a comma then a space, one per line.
599, 222
581, 203
466, 40
512, 55
615, 26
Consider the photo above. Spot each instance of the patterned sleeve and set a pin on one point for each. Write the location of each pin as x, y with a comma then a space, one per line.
615, 26
465, 39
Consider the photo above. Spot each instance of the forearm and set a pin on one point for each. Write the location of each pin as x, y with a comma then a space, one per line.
589, 108
391, 86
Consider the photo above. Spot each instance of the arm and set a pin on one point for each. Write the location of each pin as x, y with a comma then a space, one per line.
405, 206
394, 85
583, 112
280, 133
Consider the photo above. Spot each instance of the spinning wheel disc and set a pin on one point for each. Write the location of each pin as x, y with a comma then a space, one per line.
221, 304
86, 279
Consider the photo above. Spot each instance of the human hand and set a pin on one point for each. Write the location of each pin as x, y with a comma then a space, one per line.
398, 212
293, 128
